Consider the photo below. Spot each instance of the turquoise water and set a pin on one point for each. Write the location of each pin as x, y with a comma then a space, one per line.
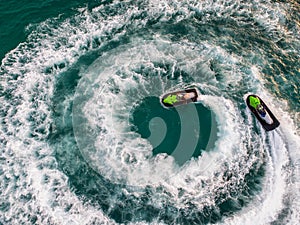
166, 137
84, 137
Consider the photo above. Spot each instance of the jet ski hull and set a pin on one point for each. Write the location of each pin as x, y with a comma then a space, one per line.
182, 101
268, 127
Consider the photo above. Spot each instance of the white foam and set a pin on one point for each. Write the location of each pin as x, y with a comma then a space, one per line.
53, 44
103, 100
276, 190
31, 95
115, 145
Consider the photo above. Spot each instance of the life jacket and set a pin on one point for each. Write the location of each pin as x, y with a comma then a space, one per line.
171, 99
254, 101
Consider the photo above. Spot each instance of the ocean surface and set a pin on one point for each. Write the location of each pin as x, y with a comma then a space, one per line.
84, 138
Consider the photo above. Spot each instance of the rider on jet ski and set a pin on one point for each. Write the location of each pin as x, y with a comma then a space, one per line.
255, 103
173, 98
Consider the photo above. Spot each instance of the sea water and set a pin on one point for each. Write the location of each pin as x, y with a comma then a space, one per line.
84, 136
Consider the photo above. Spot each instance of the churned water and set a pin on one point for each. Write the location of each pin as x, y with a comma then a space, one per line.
85, 140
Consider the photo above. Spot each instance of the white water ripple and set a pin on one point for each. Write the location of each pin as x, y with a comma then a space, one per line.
35, 190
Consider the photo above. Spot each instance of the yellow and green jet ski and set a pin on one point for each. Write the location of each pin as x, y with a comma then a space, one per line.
262, 112
182, 97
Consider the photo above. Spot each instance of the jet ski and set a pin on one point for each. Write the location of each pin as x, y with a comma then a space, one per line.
262, 112
178, 98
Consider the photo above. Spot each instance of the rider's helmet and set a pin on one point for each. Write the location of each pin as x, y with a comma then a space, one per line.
261, 110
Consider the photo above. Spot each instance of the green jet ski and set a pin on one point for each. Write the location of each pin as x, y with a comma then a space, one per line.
262, 112
177, 98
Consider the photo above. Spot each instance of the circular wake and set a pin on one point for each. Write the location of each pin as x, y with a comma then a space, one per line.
107, 95
85, 140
